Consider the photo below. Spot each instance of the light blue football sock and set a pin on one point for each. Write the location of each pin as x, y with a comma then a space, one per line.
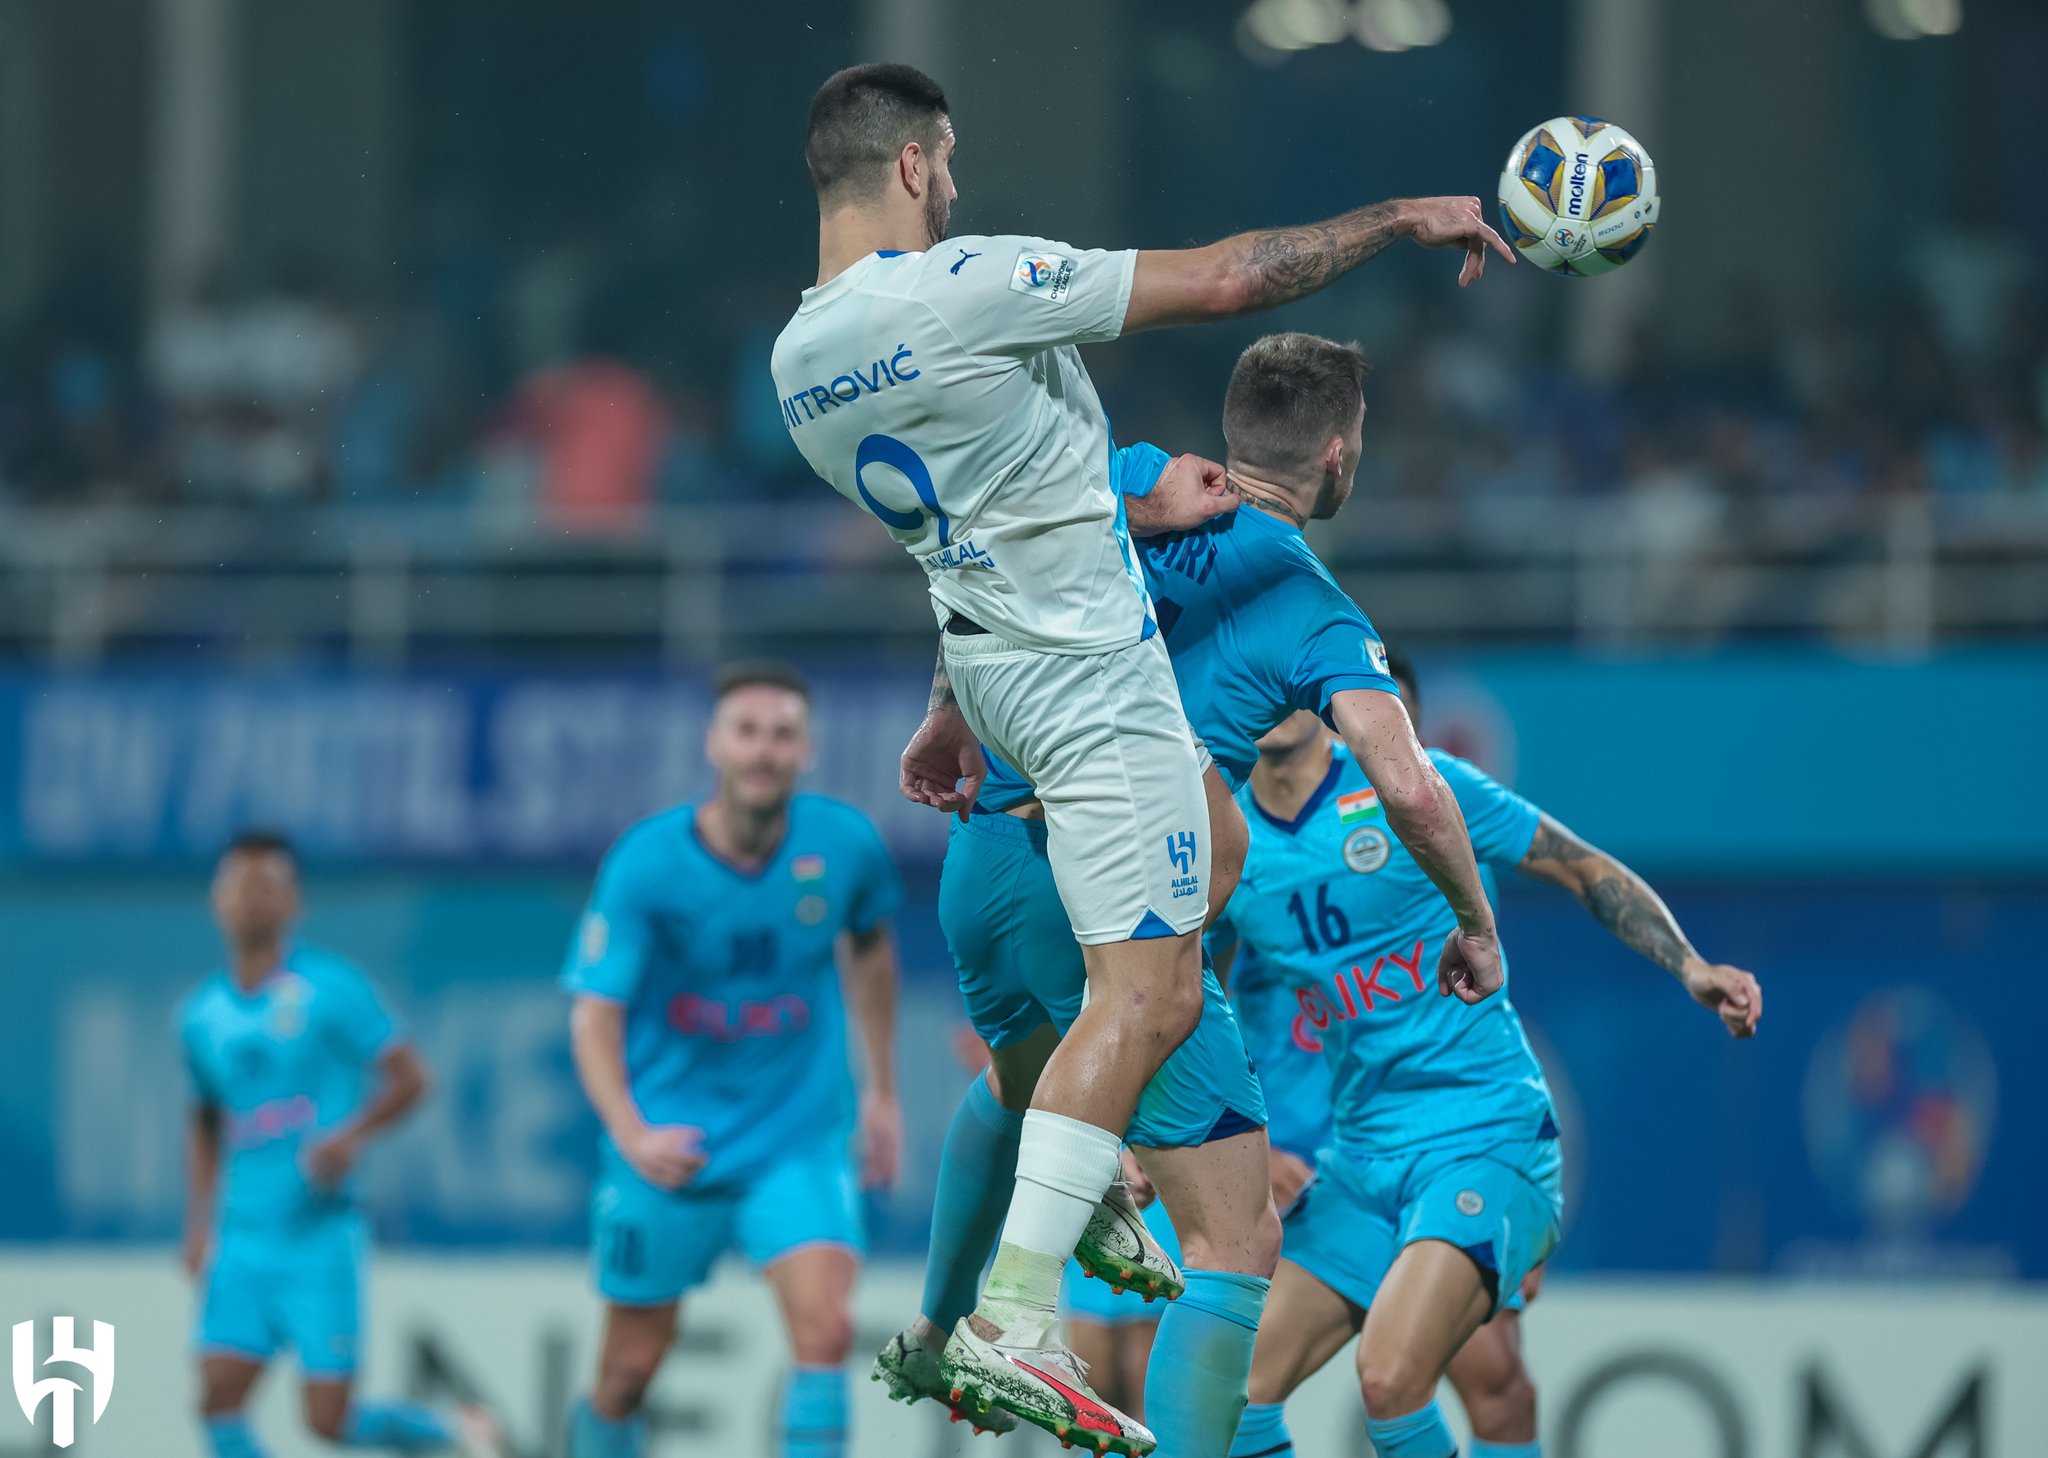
592, 1435
977, 1171
1262, 1433
1201, 1361
814, 1413
1506, 1450
1420, 1434
406, 1426
229, 1436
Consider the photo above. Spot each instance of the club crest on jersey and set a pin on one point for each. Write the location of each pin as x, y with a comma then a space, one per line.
1048, 275
1180, 849
1366, 850
810, 910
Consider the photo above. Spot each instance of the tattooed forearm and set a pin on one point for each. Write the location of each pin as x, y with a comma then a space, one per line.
1639, 920
1618, 898
1282, 264
942, 685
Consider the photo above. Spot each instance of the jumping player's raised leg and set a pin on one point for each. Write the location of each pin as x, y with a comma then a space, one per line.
1103, 742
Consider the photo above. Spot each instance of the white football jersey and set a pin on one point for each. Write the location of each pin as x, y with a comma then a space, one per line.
942, 392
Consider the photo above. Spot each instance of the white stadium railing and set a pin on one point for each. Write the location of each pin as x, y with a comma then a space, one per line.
691, 585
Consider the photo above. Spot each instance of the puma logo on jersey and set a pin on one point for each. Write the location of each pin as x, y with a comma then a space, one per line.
964, 256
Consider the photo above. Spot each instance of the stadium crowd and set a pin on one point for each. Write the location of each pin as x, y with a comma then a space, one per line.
533, 394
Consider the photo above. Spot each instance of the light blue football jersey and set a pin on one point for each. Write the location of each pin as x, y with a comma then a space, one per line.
1286, 1052
734, 1018
1347, 921
284, 1063
1255, 624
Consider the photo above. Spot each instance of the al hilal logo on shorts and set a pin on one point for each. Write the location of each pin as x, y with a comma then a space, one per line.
1180, 849
1470, 1202
61, 1392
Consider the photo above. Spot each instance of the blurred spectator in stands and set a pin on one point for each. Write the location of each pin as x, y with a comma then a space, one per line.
251, 380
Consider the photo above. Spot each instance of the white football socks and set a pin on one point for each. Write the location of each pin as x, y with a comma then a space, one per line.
1063, 1168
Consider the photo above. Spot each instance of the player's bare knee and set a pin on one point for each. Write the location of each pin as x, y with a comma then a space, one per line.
1393, 1383
822, 1336
1503, 1410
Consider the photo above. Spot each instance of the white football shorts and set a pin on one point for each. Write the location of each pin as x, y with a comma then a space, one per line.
1108, 751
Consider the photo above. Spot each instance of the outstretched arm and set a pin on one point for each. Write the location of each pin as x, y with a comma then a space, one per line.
1275, 266
1423, 812
1623, 902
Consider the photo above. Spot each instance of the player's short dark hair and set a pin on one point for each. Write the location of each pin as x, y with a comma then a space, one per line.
1401, 669
862, 118
759, 672
1288, 395
261, 841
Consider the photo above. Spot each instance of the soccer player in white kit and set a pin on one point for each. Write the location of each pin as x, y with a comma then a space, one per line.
939, 387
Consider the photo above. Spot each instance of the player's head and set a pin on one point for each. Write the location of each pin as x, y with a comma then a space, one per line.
881, 139
1292, 735
1402, 671
1294, 414
759, 740
256, 888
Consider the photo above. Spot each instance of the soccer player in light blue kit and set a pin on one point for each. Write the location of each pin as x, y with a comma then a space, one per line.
295, 1066
1256, 628
710, 1033
1441, 1191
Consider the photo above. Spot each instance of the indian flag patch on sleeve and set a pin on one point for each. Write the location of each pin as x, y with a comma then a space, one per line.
1358, 805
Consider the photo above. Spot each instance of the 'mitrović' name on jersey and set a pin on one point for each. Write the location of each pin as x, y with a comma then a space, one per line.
942, 392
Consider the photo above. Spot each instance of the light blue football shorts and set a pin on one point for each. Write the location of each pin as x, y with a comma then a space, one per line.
299, 1288
649, 1246
1503, 1206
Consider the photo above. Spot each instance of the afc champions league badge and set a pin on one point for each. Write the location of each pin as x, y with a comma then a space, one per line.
1366, 849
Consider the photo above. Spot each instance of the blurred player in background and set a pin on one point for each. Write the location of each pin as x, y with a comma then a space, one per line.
1441, 1192
939, 388
1257, 628
296, 1067
710, 1032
